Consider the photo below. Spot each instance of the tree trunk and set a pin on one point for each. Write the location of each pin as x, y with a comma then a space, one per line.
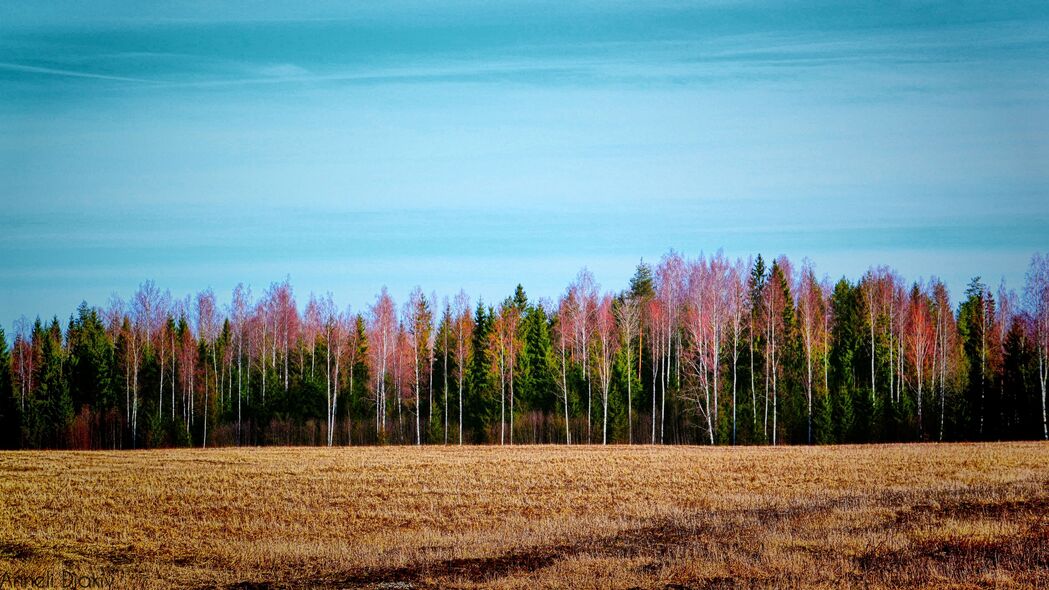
654, 371
871, 304
418, 397
564, 388
511, 397
735, 362
1043, 370
502, 399
629, 397
240, 388
775, 378
328, 388
160, 393
808, 383
461, 361
445, 371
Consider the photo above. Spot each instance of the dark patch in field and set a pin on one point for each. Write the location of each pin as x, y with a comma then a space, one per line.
719, 583
970, 509
20, 468
965, 558
475, 569
122, 556
252, 586
16, 550
695, 536
655, 540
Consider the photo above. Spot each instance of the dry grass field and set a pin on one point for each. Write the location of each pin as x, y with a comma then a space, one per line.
929, 516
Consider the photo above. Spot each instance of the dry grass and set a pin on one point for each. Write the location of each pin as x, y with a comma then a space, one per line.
930, 516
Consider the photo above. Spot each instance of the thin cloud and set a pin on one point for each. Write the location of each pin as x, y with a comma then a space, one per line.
70, 73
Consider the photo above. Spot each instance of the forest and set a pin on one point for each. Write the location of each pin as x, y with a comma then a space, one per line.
705, 350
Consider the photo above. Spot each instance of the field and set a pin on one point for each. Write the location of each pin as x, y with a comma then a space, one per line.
931, 516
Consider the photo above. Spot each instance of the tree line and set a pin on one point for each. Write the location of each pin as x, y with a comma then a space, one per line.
704, 350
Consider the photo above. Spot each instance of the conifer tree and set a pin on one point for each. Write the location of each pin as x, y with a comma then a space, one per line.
9, 425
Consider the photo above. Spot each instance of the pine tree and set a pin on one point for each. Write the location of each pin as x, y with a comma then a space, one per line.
9, 423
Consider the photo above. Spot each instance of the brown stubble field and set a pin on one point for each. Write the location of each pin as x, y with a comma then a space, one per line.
930, 516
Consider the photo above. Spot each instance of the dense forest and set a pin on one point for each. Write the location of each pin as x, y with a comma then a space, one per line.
694, 351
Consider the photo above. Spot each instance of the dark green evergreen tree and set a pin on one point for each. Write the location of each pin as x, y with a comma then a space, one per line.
91, 371
54, 404
642, 284
751, 373
846, 341
537, 368
9, 424
357, 406
1021, 405
481, 403
974, 321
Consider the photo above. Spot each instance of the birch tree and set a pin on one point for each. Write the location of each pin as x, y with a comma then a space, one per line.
286, 325
567, 308
628, 313
702, 324
586, 295
945, 349
159, 341
607, 346
145, 309
1037, 295
383, 336
737, 313
357, 352
921, 339
23, 354
670, 279
417, 322
445, 332
655, 330
776, 302
207, 332
312, 326
810, 308
873, 289
332, 325
463, 339
239, 307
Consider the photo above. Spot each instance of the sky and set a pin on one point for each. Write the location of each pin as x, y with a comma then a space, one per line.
478, 145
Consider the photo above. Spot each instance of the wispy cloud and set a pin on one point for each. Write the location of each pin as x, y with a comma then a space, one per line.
70, 73
284, 70
854, 133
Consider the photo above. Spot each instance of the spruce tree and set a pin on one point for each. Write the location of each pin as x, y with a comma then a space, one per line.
481, 405
537, 368
9, 425
642, 284
973, 330
55, 404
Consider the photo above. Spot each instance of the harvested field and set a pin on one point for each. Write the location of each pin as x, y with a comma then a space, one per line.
929, 516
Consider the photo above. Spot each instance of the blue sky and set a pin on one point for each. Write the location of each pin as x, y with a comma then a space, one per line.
479, 144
